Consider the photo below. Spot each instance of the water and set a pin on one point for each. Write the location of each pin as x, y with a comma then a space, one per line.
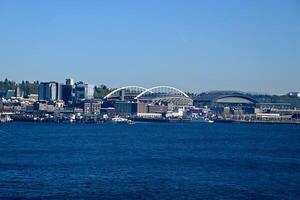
149, 161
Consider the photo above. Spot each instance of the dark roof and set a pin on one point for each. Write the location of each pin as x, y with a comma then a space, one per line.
225, 96
238, 99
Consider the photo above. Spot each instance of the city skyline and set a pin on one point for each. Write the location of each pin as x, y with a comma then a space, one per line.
195, 46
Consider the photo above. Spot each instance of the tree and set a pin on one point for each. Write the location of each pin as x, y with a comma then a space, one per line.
101, 91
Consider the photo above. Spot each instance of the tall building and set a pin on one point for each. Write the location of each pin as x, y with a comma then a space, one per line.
70, 81
58, 91
17, 91
84, 91
67, 91
49, 91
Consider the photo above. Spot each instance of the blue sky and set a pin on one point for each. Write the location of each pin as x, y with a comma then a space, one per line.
193, 45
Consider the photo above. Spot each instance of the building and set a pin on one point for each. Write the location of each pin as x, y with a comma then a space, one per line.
157, 109
84, 91
150, 115
43, 106
49, 91
142, 107
33, 97
70, 81
234, 105
10, 94
67, 93
125, 108
17, 92
110, 111
92, 107
272, 117
269, 106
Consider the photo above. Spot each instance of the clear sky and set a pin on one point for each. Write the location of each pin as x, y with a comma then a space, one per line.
194, 45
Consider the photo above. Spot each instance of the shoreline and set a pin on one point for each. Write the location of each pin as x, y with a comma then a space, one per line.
165, 121
257, 122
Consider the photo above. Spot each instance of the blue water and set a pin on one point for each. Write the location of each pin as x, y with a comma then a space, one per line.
149, 161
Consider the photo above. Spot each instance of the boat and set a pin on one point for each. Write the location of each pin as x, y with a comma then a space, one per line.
205, 120
120, 120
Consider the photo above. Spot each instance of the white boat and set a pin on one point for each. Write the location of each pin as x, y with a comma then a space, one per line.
120, 120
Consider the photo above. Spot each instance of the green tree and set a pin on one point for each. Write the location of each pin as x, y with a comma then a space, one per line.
101, 91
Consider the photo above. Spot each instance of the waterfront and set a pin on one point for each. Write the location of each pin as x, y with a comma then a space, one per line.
149, 161
78, 103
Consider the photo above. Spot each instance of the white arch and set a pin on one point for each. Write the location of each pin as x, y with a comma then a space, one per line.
123, 88
153, 88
